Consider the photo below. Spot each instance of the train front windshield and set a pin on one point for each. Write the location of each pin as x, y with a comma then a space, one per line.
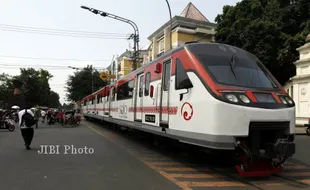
232, 66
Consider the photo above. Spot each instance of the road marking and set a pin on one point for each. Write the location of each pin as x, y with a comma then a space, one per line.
196, 176
174, 164
182, 174
296, 174
171, 178
295, 167
307, 181
155, 159
184, 187
214, 184
184, 169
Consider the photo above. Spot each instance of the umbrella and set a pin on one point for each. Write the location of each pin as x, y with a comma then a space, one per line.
15, 107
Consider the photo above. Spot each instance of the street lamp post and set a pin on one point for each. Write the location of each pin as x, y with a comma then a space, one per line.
92, 80
135, 27
170, 23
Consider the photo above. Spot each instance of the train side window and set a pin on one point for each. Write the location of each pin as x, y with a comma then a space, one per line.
147, 84
125, 91
167, 75
131, 85
98, 98
107, 94
141, 86
181, 76
113, 94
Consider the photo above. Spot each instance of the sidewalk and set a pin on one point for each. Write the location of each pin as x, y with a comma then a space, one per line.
300, 130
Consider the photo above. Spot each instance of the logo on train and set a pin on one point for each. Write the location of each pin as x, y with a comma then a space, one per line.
123, 111
187, 111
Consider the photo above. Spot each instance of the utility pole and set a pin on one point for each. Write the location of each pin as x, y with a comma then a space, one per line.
170, 24
112, 68
135, 36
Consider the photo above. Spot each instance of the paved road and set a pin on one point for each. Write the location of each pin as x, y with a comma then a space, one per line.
303, 149
120, 161
110, 167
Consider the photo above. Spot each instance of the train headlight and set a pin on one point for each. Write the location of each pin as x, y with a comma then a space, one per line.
232, 98
244, 99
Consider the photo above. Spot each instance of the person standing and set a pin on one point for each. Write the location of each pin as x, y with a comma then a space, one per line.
43, 113
26, 123
37, 115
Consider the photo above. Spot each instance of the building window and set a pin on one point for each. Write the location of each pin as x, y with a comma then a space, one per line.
147, 84
125, 91
161, 46
181, 76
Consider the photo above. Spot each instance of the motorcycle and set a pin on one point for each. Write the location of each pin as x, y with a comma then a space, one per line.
51, 120
7, 123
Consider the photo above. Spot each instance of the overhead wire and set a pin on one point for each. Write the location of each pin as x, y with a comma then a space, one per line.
27, 27
53, 59
58, 32
12, 65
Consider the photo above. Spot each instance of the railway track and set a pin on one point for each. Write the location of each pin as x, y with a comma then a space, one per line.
198, 170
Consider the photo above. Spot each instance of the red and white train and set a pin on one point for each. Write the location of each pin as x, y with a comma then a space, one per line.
206, 94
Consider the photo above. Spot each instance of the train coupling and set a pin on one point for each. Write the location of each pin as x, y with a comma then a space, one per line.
257, 165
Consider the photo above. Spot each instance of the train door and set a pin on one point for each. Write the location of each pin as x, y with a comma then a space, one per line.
139, 98
111, 101
105, 102
164, 99
95, 104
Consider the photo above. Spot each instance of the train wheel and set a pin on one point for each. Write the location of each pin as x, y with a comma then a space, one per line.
308, 131
11, 128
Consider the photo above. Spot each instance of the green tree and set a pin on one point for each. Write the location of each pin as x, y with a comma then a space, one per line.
53, 100
35, 88
79, 85
6, 90
270, 29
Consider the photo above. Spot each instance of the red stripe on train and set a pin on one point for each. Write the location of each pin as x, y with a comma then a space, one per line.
152, 109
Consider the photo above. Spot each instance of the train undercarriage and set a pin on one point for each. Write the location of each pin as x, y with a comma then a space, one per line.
265, 150
261, 154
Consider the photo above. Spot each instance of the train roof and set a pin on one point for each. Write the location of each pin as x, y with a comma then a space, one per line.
161, 57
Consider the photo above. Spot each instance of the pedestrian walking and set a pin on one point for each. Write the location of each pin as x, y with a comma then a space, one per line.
37, 116
25, 115
61, 117
26, 123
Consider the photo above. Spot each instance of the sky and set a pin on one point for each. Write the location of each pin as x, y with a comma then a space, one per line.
20, 47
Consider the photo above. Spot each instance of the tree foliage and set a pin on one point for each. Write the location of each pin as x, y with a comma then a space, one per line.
270, 29
79, 85
6, 89
36, 89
